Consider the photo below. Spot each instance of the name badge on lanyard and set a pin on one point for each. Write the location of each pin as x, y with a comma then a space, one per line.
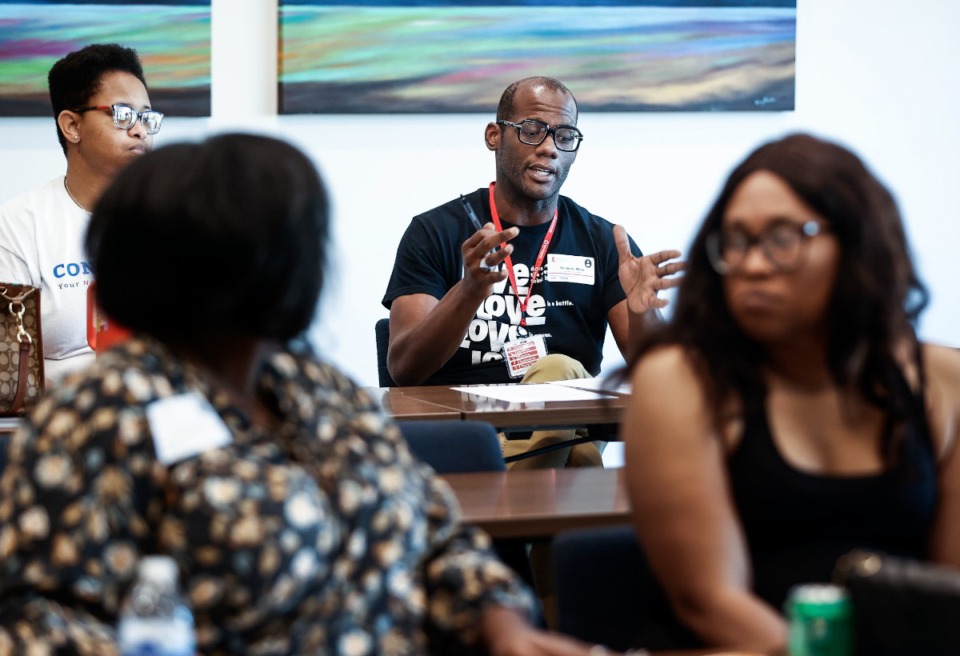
523, 353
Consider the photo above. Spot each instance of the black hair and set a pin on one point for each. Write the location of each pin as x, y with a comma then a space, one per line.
505, 107
876, 302
75, 78
225, 235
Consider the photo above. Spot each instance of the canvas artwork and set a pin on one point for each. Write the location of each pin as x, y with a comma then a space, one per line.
172, 38
655, 55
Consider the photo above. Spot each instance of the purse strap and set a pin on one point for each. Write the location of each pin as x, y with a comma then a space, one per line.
22, 374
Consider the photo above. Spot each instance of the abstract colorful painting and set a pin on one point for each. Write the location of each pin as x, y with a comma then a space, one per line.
359, 56
172, 38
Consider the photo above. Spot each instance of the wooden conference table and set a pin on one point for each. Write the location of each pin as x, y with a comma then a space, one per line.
535, 504
445, 402
539, 503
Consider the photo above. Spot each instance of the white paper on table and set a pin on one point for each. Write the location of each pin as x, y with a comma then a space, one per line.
598, 384
532, 393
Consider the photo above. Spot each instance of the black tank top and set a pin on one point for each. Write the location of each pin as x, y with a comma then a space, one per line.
798, 524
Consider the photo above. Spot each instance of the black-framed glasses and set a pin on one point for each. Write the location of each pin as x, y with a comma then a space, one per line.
533, 132
125, 116
782, 243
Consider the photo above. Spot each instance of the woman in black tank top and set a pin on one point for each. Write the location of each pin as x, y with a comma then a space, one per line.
787, 412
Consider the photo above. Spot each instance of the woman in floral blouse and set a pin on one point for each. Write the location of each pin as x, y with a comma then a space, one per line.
300, 522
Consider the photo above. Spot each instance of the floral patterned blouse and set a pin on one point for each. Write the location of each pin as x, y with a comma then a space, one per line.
327, 538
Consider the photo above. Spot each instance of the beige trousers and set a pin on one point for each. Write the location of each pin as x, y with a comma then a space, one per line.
549, 368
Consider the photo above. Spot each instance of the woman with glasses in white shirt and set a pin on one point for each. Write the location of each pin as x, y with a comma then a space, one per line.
104, 121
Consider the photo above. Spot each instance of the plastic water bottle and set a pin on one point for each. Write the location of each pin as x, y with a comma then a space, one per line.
154, 620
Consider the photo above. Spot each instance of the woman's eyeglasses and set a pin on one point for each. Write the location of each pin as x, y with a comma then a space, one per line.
783, 244
125, 116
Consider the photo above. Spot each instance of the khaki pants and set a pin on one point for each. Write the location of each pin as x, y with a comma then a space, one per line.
549, 368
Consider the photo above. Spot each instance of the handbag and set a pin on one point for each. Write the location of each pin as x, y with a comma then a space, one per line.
900, 605
21, 349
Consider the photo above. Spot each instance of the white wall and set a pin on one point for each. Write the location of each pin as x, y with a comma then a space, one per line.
878, 75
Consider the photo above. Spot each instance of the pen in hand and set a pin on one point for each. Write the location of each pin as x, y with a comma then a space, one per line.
479, 226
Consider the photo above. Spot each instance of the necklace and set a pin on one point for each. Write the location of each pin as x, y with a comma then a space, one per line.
72, 197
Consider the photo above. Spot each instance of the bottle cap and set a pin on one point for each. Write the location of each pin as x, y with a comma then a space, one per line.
162, 569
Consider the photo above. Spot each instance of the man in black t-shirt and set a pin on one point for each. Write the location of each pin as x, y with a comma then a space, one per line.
515, 270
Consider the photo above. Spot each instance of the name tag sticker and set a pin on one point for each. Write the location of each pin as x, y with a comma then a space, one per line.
570, 268
184, 426
521, 354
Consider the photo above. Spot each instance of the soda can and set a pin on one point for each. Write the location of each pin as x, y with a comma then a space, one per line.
820, 621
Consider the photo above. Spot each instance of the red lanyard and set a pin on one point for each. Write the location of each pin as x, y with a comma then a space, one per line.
509, 262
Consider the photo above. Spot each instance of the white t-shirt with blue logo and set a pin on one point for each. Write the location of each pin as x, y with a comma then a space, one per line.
41, 244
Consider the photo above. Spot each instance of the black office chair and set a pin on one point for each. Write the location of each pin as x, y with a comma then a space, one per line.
454, 446
383, 341
607, 594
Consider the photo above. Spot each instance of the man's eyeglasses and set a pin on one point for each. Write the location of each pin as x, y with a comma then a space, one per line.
783, 244
533, 132
125, 116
